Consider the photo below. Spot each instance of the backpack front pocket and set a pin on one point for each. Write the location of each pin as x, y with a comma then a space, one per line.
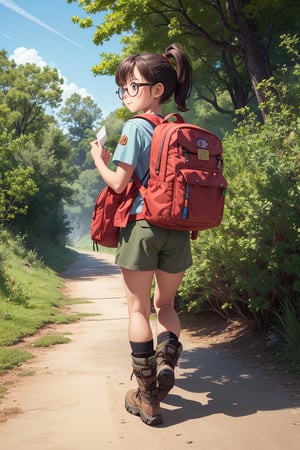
198, 199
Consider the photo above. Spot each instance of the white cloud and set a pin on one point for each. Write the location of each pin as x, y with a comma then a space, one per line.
71, 88
6, 36
22, 55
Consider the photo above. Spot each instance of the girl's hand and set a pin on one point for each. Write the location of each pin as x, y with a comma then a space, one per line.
97, 151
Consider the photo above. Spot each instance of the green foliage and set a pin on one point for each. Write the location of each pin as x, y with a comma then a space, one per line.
226, 42
80, 115
16, 186
14, 291
86, 190
206, 116
16, 183
89, 183
290, 75
53, 176
28, 90
29, 291
288, 319
35, 171
251, 261
107, 65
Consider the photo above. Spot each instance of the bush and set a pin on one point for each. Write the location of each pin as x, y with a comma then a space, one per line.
250, 263
287, 325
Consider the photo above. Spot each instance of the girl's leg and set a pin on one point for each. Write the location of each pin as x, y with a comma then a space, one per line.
144, 400
168, 330
165, 290
137, 286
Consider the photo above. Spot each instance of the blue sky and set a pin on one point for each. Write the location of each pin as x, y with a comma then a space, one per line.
41, 31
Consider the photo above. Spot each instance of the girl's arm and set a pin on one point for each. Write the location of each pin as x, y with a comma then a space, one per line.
117, 180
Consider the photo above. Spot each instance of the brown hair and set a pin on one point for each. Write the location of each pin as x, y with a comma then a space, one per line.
173, 69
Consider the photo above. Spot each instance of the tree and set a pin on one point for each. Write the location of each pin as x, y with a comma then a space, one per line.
16, 182
233, 43
89, 183
35, 171
53, 175
28, 90
85, 191
80, 116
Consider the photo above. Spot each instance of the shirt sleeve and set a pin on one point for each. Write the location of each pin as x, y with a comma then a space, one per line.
129, 145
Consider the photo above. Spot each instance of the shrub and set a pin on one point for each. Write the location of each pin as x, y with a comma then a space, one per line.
251, 261
287, 325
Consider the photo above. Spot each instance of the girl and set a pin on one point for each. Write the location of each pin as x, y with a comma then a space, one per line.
147, 252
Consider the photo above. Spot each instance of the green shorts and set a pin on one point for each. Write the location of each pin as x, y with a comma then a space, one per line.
146, 247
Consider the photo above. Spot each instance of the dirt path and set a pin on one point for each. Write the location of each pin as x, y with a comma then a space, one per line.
74, 398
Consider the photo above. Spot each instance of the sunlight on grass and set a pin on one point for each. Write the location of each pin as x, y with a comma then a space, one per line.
11, 358
30, 295
50, 339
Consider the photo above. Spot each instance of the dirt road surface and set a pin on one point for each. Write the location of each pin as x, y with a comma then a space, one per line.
73, 395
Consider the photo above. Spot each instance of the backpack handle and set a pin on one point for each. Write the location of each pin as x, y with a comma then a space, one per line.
156, 120
178, 117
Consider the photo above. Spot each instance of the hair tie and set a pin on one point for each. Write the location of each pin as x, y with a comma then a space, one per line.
168, 59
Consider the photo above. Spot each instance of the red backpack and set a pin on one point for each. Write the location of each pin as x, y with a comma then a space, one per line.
111, 211
186, 188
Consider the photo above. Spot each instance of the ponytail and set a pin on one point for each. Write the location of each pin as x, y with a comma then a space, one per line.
184, 72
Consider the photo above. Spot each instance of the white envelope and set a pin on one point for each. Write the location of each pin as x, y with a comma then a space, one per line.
101, 136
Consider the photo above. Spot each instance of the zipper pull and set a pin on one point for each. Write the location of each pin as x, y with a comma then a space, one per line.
186, 202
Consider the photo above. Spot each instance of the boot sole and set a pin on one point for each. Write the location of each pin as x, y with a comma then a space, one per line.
166, 381
148, 420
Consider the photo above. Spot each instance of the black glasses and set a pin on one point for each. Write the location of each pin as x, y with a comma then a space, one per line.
132, 89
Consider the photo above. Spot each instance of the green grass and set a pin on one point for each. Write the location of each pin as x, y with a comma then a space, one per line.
41, 305
289, 331
11, 358
50, 339
30, 294
31, 297
55, 258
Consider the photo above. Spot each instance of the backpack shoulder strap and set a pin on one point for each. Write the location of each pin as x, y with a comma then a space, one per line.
137, 182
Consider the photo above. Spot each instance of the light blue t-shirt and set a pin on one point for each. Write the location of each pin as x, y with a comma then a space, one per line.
134, 149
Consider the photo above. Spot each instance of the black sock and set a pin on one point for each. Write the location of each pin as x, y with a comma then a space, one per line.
142, 349
167, 336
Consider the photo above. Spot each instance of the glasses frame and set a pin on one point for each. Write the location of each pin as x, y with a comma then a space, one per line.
121, 91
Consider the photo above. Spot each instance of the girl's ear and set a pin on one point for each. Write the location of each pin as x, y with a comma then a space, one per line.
158, 90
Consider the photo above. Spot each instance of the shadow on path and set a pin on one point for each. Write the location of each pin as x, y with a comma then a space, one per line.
88, 266
210, 380
226, 386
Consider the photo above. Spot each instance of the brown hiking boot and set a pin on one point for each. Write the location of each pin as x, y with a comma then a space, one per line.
167, 355
143, 401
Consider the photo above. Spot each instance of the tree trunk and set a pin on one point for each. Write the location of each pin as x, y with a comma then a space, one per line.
255, 53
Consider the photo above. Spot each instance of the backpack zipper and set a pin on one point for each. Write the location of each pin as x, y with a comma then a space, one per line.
158, 162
